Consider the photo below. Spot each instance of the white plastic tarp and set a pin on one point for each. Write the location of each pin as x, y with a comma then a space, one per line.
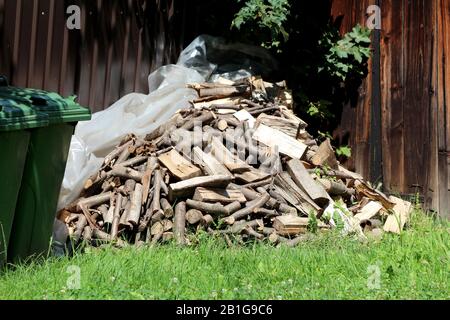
140, 113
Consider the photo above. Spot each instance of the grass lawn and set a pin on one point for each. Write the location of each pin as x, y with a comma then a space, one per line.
415, 265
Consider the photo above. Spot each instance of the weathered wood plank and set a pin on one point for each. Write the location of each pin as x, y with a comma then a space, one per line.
279, 140
208, 163
178, 166
304, 180
396, 222
219, 195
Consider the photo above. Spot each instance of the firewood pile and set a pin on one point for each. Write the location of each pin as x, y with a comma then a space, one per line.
239, 164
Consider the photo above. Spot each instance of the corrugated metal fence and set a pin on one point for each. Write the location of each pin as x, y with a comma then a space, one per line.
414, 78
119, 44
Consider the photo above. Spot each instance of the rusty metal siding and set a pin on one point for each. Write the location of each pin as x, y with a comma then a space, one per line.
414, 100
119, 44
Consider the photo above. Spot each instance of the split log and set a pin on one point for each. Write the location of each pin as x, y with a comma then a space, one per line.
223, 155
116, 217
325, 156
109, 216
287, 126
167, 236
218, 195
279, 141
286, 187
290, 225
302, 178
251, 176
186, 188
363, 189
396, 221
178, 166
208, 163
179, 223
369, 211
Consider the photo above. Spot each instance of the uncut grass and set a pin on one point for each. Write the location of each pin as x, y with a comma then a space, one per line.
414, 265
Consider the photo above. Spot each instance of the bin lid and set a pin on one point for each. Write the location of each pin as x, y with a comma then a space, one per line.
18, 116
57, 108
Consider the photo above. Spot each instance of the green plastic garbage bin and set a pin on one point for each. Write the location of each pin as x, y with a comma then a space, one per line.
44, 170
15, 120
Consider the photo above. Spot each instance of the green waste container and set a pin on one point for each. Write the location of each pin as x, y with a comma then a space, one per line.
15, 120
44, 170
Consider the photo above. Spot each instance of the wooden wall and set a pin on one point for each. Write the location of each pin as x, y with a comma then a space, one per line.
414, 79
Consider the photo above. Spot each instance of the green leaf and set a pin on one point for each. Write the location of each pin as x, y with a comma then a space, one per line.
344, 151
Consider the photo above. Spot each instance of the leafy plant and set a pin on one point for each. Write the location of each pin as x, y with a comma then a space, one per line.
347, 56
320, 109
268, 16
344, 151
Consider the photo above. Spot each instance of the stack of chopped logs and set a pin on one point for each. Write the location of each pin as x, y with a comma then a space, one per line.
238, 164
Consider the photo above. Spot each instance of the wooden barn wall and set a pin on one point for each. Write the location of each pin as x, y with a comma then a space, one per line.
119, 44
414, 76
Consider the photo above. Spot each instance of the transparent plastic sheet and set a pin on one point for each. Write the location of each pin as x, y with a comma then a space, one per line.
205, 59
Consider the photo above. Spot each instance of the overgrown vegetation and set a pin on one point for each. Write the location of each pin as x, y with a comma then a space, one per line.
323, 68
414, 265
